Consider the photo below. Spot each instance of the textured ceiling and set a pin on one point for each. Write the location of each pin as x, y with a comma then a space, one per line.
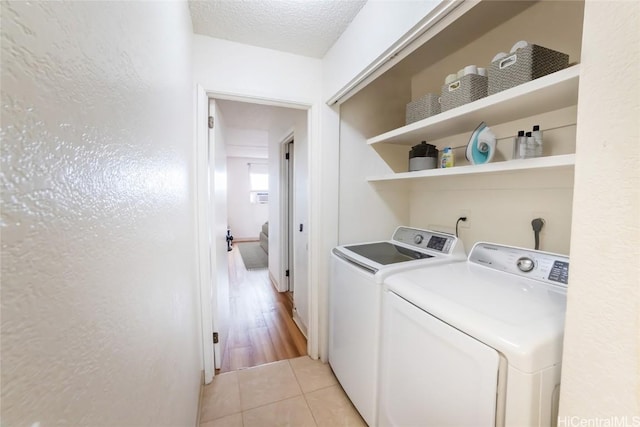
303, 27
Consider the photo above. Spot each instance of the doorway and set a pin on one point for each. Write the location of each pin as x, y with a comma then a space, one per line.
261, 328
259, 323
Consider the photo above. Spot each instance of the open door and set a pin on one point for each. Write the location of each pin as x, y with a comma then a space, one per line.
289, 197
203, 232
217, 169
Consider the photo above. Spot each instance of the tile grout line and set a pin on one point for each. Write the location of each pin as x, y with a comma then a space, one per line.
239, 398
302, 392
276, 401
227, 415
304, 395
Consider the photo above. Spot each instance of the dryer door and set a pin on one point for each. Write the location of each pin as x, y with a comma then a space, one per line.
431, 373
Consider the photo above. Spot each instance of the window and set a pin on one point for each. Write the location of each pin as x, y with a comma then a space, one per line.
258, 183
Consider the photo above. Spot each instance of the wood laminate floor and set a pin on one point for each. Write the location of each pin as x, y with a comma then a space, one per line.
260, 327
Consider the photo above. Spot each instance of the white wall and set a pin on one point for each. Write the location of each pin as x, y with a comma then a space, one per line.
245, 218
601, 369
99, 295
374, 30
227, 67
367, 211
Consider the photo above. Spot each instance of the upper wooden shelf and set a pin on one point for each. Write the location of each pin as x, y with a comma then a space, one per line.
548, 93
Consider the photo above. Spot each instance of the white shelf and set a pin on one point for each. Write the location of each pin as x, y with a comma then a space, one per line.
557, 162
548, 93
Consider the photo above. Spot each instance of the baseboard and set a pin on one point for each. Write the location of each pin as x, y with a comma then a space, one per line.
274, 282
200, 398
245, 239
299, 324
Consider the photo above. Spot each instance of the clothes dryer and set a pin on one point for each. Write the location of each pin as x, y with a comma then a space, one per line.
477, 343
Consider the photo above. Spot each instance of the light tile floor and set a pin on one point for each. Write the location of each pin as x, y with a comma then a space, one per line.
296, 392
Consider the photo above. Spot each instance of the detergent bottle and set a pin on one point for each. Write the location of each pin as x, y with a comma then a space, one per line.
447, 158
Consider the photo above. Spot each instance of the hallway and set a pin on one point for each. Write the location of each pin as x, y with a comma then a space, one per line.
288, 388
261, 329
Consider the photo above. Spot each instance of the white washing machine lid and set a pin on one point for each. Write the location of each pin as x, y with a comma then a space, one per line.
382, 271
519, 317
403, 252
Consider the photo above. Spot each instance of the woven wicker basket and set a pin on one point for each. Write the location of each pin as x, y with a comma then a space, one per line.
466, 89
526, 64
427, 106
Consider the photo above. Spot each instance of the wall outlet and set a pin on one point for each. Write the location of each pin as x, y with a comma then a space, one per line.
467, 223
544, 216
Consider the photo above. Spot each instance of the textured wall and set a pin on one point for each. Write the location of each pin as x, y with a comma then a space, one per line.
601, 364
98, 277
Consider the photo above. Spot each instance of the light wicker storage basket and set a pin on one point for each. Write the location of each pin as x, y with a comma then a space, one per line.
526, 64
466, 89
426, 106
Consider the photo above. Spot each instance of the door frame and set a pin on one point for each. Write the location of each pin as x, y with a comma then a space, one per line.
203, 220
203, 232
286, 224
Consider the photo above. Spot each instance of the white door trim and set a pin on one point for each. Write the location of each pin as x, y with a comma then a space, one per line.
283, 284
203, 221
318, 233
315, 245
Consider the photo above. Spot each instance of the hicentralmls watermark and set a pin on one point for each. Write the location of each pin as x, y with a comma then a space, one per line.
617, 421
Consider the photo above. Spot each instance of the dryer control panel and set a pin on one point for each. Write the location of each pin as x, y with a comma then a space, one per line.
538, 265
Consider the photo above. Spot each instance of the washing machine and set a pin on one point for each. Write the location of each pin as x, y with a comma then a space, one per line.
477, 343
355, 290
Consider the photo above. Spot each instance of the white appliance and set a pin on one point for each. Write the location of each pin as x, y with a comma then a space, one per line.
477, 343
355, 290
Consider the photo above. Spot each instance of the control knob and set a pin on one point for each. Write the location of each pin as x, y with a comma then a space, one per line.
418, 239
525, 264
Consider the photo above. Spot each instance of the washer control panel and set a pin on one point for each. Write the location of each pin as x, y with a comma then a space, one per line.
425, 239
538, 265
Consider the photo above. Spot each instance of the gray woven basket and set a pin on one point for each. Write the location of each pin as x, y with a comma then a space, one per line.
526, 64
422, 108
466, 89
